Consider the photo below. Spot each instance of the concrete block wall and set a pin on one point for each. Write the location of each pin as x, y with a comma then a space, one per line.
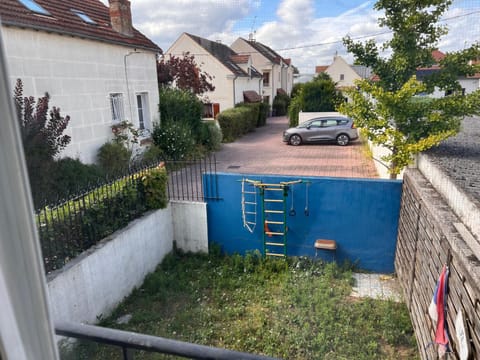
93, 284
429, 231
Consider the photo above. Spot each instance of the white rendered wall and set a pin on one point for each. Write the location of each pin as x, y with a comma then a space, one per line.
79, 75
470, 85
466, 209
339, 67
222, 77
190, 226
97, 281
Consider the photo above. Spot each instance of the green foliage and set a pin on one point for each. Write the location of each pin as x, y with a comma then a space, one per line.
317, 95
114, 158
181, 106
296, 90
210, 136
42, 138
70, 176
155, 188
294, 309
296, 105
320, 95
175, 139
237, 121
280, 104
389, 110
151, 155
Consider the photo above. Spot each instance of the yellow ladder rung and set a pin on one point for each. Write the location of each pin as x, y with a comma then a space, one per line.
274, 211
274, 222
275, 244
274, 233
274, 254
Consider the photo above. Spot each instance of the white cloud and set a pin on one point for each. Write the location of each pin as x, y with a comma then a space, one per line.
294, 27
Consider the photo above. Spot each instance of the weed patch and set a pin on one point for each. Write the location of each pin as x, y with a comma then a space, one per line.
294, 309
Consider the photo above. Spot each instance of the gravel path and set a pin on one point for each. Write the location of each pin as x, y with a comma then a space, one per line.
459, 157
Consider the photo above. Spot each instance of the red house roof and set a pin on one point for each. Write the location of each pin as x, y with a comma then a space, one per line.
63, 20
320, 69
438, 56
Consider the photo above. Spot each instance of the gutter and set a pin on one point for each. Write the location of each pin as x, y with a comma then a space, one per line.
81, 36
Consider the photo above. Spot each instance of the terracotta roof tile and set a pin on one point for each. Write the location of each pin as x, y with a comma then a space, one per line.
64, 21
240, 59
438, 55
320, 68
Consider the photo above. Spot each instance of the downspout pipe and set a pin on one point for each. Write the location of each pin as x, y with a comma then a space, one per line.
234, 92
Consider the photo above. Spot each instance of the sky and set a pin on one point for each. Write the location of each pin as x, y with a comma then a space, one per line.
307, 31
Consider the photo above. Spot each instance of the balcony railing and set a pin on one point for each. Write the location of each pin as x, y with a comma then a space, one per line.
130, 341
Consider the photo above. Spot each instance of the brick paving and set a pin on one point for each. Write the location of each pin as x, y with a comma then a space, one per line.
263, 152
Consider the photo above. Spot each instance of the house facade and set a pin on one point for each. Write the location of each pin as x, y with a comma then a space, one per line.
343, 74
277, 72
95, 66
233, 75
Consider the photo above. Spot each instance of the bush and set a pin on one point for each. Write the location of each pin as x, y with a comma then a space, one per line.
294, 109
71, 176
181, 106
237, 122
154, 186
151, 155
263, 113
280, 104
210, 136
175, 139
114, 158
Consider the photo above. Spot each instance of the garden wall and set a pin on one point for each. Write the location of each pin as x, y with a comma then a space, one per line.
429, 231
360, 214
92, 284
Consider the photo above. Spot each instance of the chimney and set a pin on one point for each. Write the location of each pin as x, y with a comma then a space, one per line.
121, 17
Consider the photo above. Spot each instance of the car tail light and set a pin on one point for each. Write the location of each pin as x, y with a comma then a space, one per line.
353, 125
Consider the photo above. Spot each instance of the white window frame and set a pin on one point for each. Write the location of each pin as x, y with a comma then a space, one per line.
143, 110
117, 107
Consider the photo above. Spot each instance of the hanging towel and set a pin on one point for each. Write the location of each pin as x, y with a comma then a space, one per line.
437, 311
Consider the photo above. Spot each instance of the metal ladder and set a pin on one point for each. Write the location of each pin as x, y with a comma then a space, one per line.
274, 210
249, 205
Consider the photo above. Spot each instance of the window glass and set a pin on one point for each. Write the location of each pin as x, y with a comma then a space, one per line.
329, 122
84, 17
143, 111
116, 107
33, 6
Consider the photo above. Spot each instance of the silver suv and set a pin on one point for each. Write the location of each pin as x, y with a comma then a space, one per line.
340, 129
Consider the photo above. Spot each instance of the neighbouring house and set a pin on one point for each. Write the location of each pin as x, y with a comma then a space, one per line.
95, 65
234, 77
343, 74
277, 72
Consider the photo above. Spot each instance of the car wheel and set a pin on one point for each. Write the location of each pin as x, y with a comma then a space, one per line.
295, 140
343, 139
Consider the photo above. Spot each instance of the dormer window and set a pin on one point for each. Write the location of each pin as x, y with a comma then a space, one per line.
84, 17
33, 6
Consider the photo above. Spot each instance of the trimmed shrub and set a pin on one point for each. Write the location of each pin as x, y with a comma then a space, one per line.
263, 113
236, 122
154, 185
210, 136
175, 139
181, 106
151, 155
294, 109
114, 158
71, 176
280, 104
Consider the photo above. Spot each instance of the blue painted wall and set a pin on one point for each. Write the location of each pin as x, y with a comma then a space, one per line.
361, 215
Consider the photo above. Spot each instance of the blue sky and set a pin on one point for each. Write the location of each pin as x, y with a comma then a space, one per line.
311, 29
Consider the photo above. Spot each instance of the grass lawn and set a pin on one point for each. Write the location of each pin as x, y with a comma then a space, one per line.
295, 309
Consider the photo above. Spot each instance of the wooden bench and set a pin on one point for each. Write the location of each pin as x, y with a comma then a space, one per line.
327, 245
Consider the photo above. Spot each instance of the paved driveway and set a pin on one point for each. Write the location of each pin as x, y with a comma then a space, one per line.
263, 152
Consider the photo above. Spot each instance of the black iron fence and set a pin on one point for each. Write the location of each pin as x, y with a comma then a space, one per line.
130, 341
73, 225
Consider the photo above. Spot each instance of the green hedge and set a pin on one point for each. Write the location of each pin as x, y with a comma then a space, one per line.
237, 122
66, 233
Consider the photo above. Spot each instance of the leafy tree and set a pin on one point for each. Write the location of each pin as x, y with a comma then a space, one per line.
42, 138
317, 95
185, 73
391, 111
